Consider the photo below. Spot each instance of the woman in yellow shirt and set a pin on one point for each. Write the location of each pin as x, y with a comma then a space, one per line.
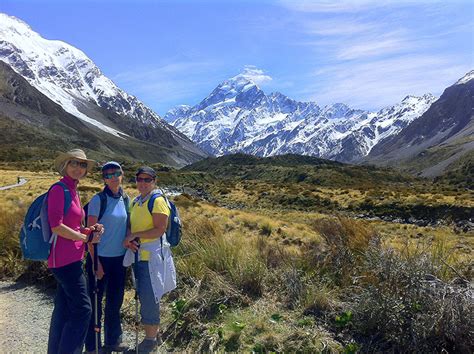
149, 229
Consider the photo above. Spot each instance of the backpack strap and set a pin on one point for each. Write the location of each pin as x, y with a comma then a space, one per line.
126, 201
103, 204
151, 202
152, 199
67, 196
150, 205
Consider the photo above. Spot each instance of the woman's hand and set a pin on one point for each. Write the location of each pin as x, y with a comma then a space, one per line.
98, 228
90, 236
131, 242
100, 271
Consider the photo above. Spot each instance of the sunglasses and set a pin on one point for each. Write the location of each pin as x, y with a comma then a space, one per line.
146, 180
75, 163
113, 174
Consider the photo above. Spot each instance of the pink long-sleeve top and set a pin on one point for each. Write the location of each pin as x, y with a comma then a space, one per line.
66, 251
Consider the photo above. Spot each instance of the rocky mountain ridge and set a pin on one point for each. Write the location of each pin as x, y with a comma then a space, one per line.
238, 116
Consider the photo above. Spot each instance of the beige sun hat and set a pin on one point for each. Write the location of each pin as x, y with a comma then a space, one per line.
74, 154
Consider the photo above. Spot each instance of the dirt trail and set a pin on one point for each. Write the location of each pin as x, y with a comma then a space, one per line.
21, 182
24, 321
25, 312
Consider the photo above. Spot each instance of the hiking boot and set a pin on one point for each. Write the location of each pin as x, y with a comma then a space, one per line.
147, 346
159, 340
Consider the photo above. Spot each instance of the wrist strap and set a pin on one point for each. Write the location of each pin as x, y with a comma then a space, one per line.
91, 236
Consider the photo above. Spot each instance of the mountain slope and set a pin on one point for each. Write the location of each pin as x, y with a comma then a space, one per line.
238, 116
34, 127
441, 136
68, 77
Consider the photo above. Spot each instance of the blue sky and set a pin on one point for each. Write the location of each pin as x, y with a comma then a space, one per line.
368, 54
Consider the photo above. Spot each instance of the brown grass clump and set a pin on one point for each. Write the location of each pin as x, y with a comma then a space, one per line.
10, 252
345, 241
402, 305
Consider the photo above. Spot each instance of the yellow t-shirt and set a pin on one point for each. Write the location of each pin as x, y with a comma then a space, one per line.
141, 220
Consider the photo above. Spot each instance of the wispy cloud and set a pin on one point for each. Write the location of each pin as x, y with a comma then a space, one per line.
346, 6
380, 83
336, 27
374, 45
255, 74
373, 53
325, 6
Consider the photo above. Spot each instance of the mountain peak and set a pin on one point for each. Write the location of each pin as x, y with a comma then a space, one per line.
411, 99
242, 88
336, 110
12, 23
250, 77
466, 78
251, 74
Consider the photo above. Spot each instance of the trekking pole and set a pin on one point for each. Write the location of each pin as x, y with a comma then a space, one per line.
96, 290
135, 281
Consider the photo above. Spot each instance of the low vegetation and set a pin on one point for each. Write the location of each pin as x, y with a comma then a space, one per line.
300, 266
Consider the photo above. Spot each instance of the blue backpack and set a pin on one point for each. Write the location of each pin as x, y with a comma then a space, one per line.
35, 234
174, 230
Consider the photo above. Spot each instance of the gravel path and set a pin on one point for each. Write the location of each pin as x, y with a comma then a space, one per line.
20, 183
24, 322
25, 313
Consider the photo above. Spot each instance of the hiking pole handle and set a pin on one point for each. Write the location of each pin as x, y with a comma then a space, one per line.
96, 258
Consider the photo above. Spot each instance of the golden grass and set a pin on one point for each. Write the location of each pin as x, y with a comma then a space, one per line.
233, 264
249, 192
290, 229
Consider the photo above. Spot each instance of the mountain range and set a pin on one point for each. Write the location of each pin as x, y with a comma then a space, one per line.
52, 96
238, 116
65, 76
443, 136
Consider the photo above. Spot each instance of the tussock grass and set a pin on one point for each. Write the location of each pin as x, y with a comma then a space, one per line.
273, 278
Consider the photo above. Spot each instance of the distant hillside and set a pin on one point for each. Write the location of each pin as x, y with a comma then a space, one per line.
295, 169
461, 172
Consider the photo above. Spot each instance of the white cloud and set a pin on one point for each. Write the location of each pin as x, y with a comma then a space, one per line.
326, 6
346, 6
337, 27
254, 74
370, 47
371, 57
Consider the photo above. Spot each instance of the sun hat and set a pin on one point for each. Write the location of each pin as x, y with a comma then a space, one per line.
111, 165
74, 154
146, 170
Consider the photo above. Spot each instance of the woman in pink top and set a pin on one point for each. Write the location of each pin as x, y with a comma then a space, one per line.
72, 306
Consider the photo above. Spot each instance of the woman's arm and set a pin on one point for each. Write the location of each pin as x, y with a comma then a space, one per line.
92, 220
68, 233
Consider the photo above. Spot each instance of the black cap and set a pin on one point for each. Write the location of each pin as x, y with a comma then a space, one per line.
146, 170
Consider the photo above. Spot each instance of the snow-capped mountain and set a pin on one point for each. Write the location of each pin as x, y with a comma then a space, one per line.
239, 117
68, 77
